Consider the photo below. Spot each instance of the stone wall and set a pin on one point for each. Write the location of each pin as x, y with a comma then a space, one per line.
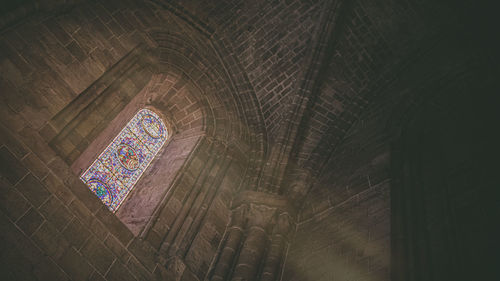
65, 93
55, 225
48, 60
344, 225
224, 76
359, 220
54, 228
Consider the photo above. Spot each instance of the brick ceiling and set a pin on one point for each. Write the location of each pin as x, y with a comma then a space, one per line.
276, 44
272, 41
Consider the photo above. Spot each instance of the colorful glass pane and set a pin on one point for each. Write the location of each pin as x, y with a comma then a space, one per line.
149, 128
118, 168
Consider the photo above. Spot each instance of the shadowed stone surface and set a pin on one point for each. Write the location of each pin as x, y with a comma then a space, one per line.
309, 140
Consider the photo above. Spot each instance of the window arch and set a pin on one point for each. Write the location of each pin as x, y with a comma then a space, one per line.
115, 172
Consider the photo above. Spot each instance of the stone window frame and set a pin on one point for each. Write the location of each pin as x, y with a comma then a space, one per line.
107, 135
138, 177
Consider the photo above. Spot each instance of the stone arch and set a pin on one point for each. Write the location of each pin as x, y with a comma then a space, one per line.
221, 145
223, 91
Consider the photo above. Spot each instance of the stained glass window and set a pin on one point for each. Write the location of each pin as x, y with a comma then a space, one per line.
115, 172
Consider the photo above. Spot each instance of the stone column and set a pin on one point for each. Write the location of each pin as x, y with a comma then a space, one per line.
274, 258
232, 243
255, 243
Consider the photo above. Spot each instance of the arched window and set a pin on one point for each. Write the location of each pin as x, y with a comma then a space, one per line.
118, 168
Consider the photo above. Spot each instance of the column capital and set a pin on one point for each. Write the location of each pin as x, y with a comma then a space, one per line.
239, 215
260, 215
283, 224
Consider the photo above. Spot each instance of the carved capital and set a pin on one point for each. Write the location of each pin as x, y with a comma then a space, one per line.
260, 215
283, 224
239, 215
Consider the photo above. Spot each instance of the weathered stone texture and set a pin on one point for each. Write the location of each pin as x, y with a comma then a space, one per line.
54, 233
287, 121
63, 56
348, 241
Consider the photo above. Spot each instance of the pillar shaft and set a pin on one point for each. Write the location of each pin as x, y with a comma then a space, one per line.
227, 254
273, 259
250, 255
275, 254
231, 245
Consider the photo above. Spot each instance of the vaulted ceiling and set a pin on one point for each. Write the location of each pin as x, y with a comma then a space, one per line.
293, 76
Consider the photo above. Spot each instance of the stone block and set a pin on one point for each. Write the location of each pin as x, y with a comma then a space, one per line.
100, 230
115, 226
117, 248
55, 212
123, 21
55, 28
115, 28
30, 222
85, 127
154, 238
60, 56
12, 53
143, 252
35, 165
119, 272
98, 255
81, 190
33, 190
189, 276
76, 233
85, 39
13, 144
12, 202
50, 240
138, 270
37, 144
58, 189
75, 49
48, 132
96, 277
161, 273
81, 212
46, 269
20, 270
60, 168
182, 190
102, 13
100, 27
75, 265
10, 167
13, 240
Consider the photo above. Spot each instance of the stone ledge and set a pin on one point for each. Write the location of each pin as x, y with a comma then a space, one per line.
262, 198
